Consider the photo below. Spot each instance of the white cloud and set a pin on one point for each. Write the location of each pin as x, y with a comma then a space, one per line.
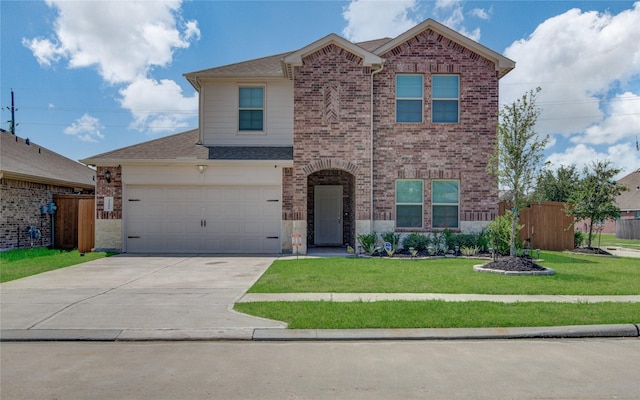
577, 58
125, 42
86, 128
158, 106
481, 13
623, 156
588, 65
451, 14
369, 19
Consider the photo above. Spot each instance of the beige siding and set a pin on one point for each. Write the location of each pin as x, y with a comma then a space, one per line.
219, 115
215, 174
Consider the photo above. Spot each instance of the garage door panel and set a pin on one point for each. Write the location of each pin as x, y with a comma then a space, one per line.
211, 219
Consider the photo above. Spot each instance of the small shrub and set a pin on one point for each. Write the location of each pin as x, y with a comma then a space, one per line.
578, 239
369, 242
469, 251
394, 239
416, 240
500, 234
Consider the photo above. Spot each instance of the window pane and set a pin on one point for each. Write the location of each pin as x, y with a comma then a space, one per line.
251, 97
408, 111
409, 191
409, 86
445, 216
409, 216
445, 111
250, 120
445, 87
445, 192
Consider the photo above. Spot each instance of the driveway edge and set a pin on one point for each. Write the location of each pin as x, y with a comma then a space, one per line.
277, 334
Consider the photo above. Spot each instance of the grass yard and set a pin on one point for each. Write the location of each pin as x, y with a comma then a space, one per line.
610, 240
575, 275
439, 314
16, 264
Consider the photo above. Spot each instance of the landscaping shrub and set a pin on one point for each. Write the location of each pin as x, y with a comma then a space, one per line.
369, 243
394, 239
416, 240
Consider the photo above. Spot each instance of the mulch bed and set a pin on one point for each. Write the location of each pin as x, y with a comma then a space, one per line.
515, 264
591, 250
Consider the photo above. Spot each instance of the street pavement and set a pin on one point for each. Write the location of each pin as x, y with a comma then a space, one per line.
191, 297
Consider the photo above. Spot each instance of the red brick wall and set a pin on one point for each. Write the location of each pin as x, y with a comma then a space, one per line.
20, 209
109, 189
332, 102
437, 151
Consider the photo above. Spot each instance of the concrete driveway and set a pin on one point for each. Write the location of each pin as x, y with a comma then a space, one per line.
135, 297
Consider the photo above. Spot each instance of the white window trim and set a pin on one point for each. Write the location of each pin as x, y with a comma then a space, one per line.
433, 204
445, 98
264, 109
409, 98
395, 197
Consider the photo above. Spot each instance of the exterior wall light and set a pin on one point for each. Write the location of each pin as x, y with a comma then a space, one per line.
107, 176
201, 168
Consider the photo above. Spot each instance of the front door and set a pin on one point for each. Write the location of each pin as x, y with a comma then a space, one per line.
327, 220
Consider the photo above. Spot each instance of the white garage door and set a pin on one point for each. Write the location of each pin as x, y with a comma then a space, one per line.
215, 219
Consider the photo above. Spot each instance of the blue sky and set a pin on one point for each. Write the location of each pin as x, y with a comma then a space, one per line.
93, 76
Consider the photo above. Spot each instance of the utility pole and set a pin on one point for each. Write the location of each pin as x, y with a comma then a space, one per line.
12, 122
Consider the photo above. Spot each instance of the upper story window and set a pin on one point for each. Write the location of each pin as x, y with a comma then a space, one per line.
409, 201
251, 109
445, 98
445, 203
409, 98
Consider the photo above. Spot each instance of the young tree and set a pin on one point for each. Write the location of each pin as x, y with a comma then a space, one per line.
557, 186
517, 157
594, 198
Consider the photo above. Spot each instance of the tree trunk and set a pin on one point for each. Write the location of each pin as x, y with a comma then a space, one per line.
514, 228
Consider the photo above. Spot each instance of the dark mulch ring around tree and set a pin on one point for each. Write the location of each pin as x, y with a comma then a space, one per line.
591, 250
514, 266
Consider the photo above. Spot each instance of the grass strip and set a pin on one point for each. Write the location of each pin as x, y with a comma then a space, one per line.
575, 275
16, 264
439, 314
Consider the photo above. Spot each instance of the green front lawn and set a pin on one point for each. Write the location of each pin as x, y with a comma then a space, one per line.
16, 264
575, 275
610, 240
439, 314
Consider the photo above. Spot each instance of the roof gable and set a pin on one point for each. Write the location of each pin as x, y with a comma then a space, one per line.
502, 64
630, 199
22, 159
295, 59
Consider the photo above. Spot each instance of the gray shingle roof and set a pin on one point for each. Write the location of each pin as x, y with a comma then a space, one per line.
179, 146
24, 160
251, 153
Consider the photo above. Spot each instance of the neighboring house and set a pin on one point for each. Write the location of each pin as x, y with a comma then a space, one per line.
327, 142
628, 202
30, 176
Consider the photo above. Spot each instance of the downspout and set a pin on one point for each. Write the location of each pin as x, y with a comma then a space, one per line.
371, 216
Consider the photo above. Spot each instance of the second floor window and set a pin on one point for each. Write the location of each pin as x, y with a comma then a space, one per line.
409, 98
251, 109
445, 98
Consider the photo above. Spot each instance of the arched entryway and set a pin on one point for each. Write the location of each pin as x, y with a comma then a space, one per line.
331, 208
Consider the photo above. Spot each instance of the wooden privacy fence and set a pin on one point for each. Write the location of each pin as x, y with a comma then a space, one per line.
74, 222
546, 226
628, 229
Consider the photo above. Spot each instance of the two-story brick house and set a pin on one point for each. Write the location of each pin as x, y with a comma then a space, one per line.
328, 142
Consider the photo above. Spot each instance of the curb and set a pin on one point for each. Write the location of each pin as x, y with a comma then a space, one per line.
274, 334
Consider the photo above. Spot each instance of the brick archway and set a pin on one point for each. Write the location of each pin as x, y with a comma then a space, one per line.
332, 163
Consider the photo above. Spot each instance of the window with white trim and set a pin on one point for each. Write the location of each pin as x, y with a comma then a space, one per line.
251, 109
445, 204
409, 203
409, 98
445, 98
